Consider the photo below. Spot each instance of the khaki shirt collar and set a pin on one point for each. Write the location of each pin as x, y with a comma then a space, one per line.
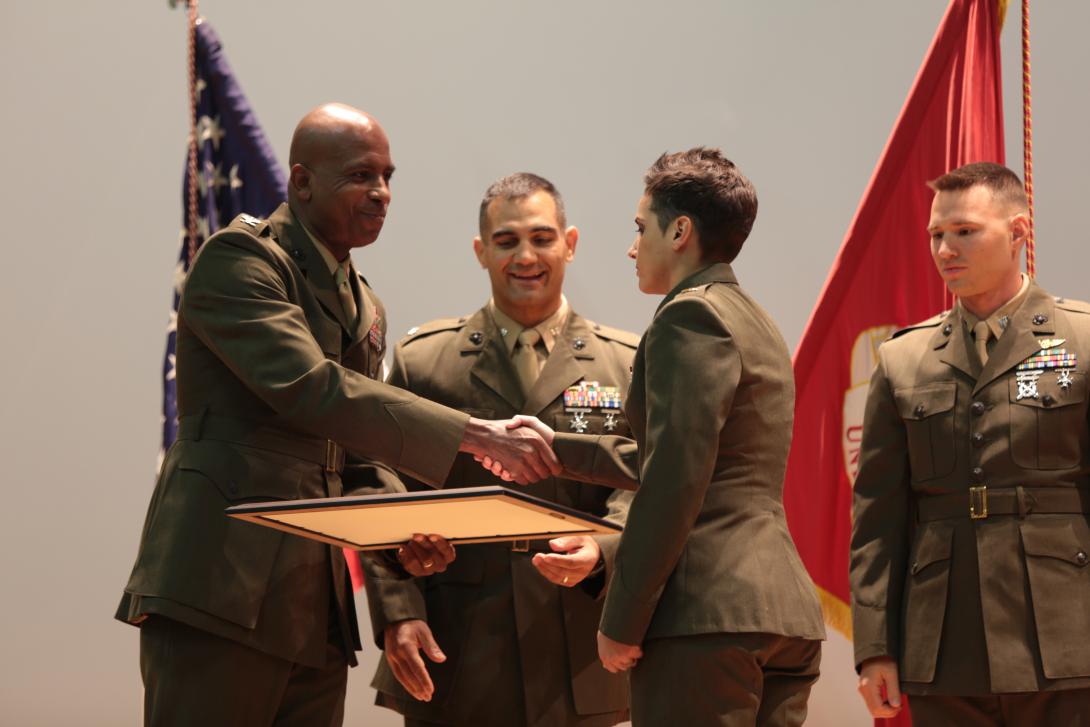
331, 262
549, 328
998, 321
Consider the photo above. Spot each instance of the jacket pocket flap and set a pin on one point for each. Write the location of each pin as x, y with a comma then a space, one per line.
933, 545
921, 402
1055, 539
244, 473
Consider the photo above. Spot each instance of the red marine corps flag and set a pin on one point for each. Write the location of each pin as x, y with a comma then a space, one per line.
882, 279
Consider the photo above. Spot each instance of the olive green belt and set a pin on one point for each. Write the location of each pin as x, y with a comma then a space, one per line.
325, 452
984, 502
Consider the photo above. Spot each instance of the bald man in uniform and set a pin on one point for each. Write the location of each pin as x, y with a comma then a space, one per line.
279, 343
970, 587
508, 629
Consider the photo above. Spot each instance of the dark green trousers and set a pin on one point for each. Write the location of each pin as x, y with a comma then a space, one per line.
195, 679
726, 680
1062, 708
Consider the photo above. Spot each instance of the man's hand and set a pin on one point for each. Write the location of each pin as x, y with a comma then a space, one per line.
574, 557
404, 640
617, 657
514, 452
544, 430
878, 683
519, 420
425, 555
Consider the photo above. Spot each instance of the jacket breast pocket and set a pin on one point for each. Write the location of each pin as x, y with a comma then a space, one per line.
926, 585
1057, 553
1046, 424
928, 415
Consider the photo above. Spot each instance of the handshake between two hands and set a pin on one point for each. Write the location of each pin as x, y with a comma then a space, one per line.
515, 450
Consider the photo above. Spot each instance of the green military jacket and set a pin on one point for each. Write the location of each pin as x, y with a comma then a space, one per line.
273, 386
999, 603
520, 650
706, 547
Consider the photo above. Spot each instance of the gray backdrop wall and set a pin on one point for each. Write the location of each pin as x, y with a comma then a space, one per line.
801, 94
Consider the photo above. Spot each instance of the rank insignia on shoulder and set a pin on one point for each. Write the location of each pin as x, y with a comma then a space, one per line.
249, 220
1047, 343
592, 395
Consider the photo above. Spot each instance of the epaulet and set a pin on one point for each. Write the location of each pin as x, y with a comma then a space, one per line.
696, 289
441, 324
614, 334
1075, 306
249, 224
929, 323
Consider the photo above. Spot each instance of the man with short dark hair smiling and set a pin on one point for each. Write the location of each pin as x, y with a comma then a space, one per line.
509, 628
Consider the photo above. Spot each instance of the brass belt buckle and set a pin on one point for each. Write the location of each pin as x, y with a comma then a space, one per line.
520, 546
978, 502
330, 456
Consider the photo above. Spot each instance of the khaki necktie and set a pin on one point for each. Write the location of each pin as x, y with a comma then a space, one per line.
527, 363
981, 334
344, 292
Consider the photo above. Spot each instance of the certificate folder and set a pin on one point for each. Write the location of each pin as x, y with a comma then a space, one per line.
464, 515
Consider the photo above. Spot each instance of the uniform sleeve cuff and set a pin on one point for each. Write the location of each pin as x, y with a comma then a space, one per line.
870, 629
430, 437
624, 618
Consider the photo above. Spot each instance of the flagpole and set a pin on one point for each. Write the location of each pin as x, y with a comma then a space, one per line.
1027, 141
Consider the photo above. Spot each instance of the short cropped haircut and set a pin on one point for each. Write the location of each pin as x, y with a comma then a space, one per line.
1004, 184
519, 186
705, 186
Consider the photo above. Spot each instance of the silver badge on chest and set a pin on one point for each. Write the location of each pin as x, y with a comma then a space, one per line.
1027, 384
1063, 379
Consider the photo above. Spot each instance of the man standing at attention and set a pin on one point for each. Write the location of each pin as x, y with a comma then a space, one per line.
969, 553
279, 340
509, 627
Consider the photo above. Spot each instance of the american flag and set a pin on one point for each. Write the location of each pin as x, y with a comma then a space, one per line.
236, 172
